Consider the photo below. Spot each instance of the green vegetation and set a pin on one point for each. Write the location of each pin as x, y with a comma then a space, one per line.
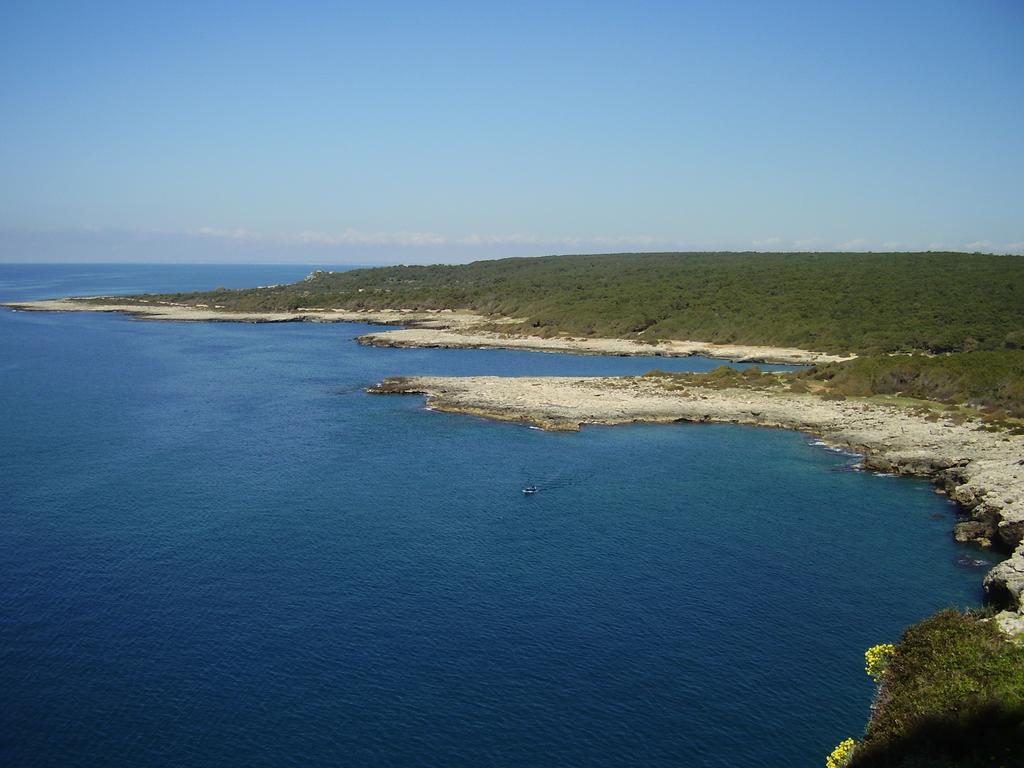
952, 694
722, 377
992, 382
863, 302
955, 386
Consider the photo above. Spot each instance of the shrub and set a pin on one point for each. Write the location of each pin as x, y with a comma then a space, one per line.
951, 695
841, 755
876, 660
993, 379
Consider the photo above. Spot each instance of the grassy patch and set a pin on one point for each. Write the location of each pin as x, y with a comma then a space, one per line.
722, 377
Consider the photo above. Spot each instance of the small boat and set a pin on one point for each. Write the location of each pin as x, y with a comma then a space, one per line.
530, 490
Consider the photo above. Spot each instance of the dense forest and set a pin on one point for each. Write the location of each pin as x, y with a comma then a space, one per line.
834, 302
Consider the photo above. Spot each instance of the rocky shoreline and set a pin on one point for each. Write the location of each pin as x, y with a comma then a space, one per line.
169, 311
434, 329
983, 471
470, 338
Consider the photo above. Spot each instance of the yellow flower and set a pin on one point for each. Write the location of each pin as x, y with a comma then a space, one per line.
876, 660
841, 755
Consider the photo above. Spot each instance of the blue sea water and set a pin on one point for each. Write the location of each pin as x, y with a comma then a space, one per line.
216, 550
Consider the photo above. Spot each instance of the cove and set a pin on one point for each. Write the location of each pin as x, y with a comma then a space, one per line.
217, 550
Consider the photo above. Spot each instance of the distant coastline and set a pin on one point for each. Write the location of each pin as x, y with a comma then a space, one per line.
169, 311
433, 329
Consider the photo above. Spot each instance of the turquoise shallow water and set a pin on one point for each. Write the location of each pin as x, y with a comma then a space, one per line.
216, 550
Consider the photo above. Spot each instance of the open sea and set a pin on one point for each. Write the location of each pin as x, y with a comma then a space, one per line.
216, 550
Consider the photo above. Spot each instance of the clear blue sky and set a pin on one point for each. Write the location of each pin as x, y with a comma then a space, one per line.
364, 132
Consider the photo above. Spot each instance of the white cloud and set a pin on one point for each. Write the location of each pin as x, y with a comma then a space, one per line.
228, 234
568, 242
514, 239
484, 245
355, 237
351, 236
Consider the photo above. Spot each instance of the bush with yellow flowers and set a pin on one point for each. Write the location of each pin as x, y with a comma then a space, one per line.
876, 660
841, 755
